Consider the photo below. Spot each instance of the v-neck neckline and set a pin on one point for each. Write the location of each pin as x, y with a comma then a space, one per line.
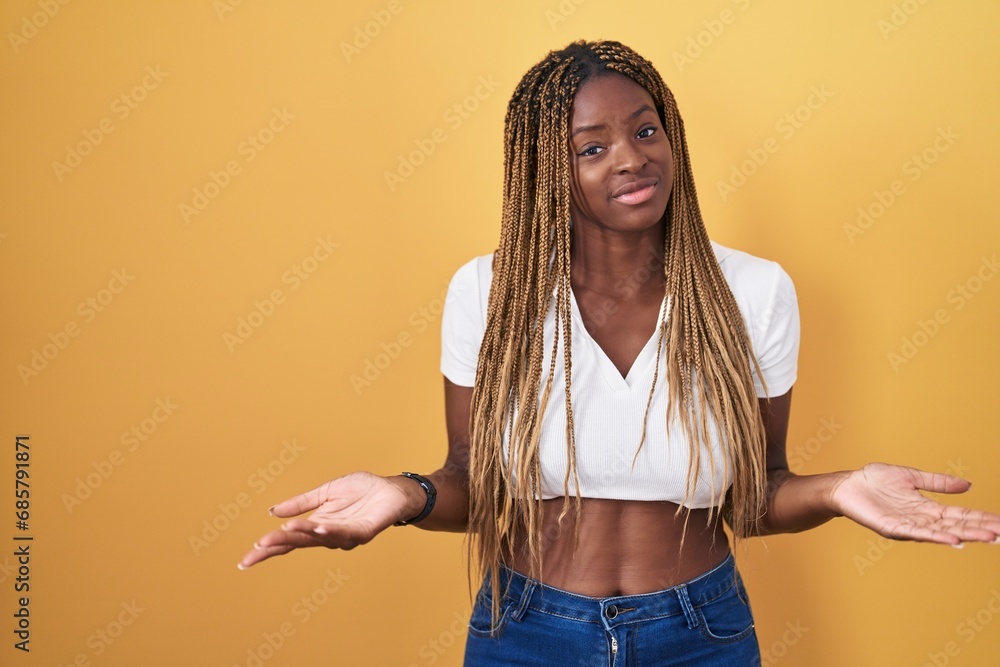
641, 363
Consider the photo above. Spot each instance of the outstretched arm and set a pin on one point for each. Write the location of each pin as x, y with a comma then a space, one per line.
885, 498
353, 509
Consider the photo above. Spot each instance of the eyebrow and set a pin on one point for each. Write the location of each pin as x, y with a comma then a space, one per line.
590, 128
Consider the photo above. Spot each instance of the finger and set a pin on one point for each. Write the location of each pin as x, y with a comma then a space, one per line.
968, 532
261, 553
342, 535
300, 525
982, 526
329, 535
957, 512
279, 542
939, 482
294, 538
304, 502
924, 533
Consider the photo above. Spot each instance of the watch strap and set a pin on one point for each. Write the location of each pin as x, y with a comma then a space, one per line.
431, 492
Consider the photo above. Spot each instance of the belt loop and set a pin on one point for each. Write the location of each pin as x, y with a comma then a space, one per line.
522, 606
682, 595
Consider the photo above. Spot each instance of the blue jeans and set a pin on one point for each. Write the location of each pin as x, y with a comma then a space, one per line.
706, 621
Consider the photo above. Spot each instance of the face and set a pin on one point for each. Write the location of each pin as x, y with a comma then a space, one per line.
622, 166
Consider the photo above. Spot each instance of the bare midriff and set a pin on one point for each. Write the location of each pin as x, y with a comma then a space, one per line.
626, 547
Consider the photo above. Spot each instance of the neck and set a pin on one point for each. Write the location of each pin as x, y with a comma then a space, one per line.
606, 262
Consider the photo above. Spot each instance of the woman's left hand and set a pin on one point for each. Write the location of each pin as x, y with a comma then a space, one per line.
887, 499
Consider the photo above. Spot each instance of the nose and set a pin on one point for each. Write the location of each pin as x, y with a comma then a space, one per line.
629, 157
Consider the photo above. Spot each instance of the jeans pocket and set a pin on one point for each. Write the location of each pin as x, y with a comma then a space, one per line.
727, 618
480, 621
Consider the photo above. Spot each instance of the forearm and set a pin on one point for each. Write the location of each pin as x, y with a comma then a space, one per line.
451, 507
798, 502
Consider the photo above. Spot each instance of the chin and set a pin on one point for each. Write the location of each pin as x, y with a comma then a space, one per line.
645, 218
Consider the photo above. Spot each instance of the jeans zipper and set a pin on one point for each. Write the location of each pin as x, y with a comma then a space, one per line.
614, 646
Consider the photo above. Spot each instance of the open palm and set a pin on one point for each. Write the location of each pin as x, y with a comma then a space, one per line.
887, 499
346, 512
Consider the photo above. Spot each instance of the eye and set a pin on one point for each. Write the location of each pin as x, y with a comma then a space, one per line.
590, 150
646, 132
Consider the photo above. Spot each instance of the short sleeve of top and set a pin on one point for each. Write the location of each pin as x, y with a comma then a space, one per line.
778, 349
766, 297
463, 320
763, 291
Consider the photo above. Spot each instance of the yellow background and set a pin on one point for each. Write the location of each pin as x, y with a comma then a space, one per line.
896, 75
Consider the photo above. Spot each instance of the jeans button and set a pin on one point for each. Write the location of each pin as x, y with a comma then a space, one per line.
612, 611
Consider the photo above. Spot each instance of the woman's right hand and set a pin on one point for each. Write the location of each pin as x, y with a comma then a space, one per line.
347, 511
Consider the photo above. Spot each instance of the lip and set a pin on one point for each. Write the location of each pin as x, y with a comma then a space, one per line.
635, 192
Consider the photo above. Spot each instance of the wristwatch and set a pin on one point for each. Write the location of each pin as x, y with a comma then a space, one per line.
431, 492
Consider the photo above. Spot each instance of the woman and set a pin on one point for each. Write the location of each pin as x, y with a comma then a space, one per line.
597, 530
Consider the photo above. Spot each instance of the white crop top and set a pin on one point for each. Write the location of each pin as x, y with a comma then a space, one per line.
608, 408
